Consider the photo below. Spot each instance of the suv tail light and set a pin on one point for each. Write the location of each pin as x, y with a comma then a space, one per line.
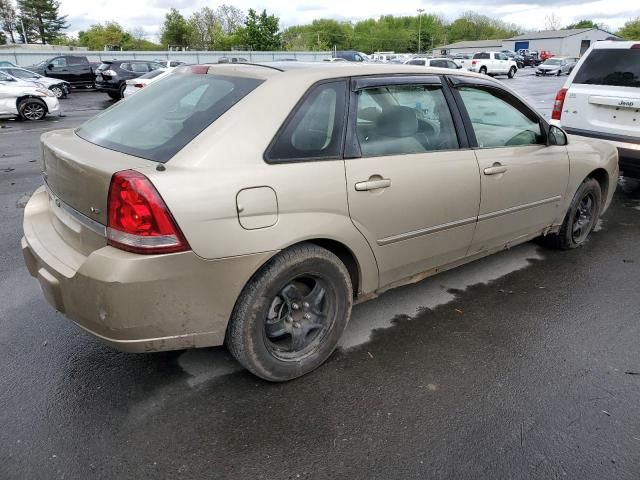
109, 72
558, 104
139, 220
473, 62
635, 45
138, 85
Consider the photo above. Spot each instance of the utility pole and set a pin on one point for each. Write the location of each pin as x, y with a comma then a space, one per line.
420, 10
24, 33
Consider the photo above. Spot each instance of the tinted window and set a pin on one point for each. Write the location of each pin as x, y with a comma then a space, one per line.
451, 64
417, 61
612, 66
163, 117
439, 63
4, 77
481, 56
18, 73
316, 128
152, 74
76, 61
499, 119
105, 66
399, 120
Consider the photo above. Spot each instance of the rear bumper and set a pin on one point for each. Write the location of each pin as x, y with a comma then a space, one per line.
108, 87
135, 303
628, 149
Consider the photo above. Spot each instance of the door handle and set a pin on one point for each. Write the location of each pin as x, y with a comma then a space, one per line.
373, 184
495, 169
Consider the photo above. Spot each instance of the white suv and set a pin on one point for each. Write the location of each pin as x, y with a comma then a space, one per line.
601, 99
493, 63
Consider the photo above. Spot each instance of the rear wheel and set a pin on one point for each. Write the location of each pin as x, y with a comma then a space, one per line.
512, 72
114, 96
123, 87
580, 219
32, 109
290, 316
483, 70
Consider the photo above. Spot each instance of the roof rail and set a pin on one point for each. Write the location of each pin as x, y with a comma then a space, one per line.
252, 64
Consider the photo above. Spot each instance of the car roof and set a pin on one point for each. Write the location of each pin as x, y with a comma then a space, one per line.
616, 44
316, 71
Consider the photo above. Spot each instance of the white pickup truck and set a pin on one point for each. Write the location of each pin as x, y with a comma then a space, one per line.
493, 63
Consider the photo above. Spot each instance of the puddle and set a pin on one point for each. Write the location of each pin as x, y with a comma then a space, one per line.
432, 292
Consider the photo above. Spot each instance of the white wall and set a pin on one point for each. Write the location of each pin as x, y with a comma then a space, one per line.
571, 45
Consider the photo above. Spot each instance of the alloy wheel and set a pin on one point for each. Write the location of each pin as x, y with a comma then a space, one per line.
57, 91
33, 111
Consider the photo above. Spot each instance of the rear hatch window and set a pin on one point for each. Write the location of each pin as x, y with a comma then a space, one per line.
162, 118
611, 66
104, 66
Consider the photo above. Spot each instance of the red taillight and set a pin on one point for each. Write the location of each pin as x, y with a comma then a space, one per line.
138, 85
139, 221
558, 104
635, 45
473, 62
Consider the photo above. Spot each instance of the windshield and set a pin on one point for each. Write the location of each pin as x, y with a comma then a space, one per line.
553, 61
611, 66
162, 118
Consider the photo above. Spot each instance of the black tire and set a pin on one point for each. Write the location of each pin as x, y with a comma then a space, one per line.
123, 87
32, 109
276, 309
482, 71
568, 237
512, 72
58, 91
559, 73
114, 96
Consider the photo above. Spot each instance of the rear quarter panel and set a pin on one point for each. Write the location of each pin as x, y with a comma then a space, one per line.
201, 183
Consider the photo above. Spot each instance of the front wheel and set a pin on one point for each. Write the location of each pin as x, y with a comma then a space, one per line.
291, 314
32, 109
57, 91
581, 217
512, 72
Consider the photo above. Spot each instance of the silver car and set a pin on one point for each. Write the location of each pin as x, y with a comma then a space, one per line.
556, 66
59, 88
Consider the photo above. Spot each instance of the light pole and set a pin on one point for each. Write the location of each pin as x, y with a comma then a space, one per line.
420, 10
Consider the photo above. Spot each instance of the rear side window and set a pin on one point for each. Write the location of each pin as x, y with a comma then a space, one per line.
104, 66
481, 56
611, 66
400, 120
316, 129
76, 61
139, 67
162, 118
152, 74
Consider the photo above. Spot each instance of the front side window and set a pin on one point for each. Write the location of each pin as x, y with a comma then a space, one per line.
315, 131
139, 67
481, 56
499, 119
163, 117
59, 62
407, 119
76, 61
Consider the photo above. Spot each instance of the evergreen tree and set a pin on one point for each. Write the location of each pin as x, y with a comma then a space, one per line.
42, 20
175, 30
260, 32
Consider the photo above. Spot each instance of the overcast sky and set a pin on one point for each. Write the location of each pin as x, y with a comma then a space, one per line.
530, 14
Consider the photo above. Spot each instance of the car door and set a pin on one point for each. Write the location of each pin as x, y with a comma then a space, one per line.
7, 95
523, 179
413, 184
80, 69
58, 68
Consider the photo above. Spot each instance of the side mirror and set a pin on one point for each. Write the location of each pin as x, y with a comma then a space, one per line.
50, 66
556, 136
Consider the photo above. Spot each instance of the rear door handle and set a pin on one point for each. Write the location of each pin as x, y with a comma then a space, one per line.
495, 169
373, 184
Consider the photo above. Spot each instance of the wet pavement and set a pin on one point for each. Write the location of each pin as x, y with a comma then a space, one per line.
525, 364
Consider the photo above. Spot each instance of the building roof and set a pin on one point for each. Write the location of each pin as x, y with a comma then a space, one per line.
553, 34
473, 44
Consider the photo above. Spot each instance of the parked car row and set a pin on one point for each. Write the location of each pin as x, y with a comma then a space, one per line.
25, 100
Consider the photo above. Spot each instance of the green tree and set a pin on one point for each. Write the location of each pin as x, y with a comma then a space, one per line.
3, 38
8, 18
175, 31
260, 32
630, 30
97, 36
205, 29
581, 24
473, 26
42, 19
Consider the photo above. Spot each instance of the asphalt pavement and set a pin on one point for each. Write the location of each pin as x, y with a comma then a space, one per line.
522, 365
